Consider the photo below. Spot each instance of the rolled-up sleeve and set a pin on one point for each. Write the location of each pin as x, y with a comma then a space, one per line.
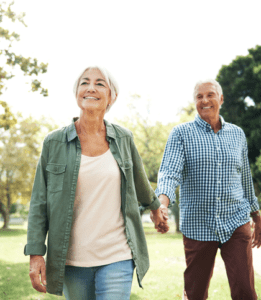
170, 173
247, 182
37, 219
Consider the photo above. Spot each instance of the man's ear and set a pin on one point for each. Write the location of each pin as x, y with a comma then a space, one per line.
221, 100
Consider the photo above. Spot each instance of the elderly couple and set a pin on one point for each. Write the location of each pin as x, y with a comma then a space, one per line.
90, 178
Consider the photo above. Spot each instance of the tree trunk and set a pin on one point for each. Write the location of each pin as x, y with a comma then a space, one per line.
8, 206
5, 214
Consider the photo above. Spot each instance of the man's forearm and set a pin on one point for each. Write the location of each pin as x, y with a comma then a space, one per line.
164, 200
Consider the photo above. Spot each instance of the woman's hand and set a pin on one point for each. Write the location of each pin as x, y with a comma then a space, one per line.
37, 267
159, 217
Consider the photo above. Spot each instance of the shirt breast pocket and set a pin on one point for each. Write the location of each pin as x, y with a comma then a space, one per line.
128, 166
233, 154
55, 177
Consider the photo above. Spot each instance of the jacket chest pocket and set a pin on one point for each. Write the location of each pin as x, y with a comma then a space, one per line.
55, 177
128, 165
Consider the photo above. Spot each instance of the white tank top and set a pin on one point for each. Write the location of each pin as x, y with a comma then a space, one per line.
98, 231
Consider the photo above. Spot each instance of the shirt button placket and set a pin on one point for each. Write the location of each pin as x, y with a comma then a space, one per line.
218, 186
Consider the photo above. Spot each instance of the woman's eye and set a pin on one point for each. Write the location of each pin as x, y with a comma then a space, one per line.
83, 83
100, 84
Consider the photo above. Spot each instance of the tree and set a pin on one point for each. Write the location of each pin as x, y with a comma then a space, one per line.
241, 84
29, 66
20, 148
150, 139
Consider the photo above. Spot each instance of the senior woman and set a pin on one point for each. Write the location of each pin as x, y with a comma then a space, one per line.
88, 182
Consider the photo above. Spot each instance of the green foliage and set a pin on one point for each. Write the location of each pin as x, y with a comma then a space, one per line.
187, 113
13, 209
7, 119
23, 210
258, 162
20, 148
29, 66
241, 83
150, 139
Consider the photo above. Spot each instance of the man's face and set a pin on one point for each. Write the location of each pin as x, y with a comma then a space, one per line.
208, 102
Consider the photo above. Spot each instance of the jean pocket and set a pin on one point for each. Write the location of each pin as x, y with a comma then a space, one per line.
55, 177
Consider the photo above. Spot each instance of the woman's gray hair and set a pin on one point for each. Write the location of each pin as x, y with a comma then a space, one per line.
212, 81
112, 83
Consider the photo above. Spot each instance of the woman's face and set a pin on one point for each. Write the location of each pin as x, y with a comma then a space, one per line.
93, 92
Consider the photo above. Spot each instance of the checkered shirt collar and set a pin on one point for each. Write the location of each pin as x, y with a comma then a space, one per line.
206, 126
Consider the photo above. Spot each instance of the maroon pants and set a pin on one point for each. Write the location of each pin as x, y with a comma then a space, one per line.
237, 256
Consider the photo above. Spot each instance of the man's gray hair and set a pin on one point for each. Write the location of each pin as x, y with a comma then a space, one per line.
212, 81
112, 83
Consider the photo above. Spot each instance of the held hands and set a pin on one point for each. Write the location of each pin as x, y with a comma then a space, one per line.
256, 235
37, 267
159, 217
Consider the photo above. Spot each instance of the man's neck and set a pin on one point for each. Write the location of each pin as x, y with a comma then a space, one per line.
214, 123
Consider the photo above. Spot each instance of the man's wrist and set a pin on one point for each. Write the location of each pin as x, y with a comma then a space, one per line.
164, 200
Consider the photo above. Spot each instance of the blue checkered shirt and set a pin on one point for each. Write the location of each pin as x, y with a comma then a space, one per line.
212, 169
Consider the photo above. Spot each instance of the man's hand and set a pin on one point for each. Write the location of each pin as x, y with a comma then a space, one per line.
256, 235
37, 267
159, 217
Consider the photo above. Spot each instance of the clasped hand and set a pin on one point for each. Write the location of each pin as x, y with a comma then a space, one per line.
160, 217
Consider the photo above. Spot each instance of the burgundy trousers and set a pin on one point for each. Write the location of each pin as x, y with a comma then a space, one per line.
237, 256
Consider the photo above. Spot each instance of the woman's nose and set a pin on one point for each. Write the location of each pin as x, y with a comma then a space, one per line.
91, 87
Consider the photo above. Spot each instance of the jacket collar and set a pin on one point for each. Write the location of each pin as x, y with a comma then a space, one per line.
72, 133
206, 126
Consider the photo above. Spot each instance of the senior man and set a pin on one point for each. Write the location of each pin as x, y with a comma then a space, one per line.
208, 158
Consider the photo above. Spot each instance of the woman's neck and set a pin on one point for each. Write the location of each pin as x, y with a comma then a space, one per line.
90, 123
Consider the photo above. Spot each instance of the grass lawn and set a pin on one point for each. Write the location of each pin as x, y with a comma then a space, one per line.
163, 281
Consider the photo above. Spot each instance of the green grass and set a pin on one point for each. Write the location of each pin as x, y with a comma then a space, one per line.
163, 281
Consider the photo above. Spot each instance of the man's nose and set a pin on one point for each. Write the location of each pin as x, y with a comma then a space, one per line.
204, 99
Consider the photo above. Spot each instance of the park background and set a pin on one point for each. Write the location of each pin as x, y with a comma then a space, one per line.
157, 51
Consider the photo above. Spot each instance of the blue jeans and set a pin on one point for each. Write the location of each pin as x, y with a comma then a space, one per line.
108, 282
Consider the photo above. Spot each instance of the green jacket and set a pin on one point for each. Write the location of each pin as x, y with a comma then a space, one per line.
52, 201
